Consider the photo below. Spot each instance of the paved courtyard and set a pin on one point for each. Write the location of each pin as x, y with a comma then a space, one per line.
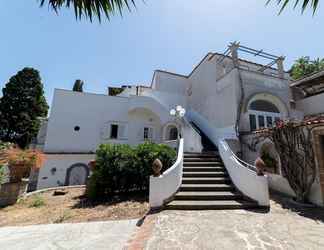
283, 227
80, 236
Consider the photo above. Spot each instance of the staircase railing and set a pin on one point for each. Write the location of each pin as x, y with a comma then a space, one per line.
166, 185
244, 175
245, 164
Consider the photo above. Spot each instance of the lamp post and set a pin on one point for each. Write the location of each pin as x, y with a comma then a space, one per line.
178, 112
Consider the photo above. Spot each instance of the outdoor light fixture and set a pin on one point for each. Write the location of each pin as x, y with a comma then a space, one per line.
178, 112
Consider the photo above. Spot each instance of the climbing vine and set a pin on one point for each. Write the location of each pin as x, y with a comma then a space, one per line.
293, 142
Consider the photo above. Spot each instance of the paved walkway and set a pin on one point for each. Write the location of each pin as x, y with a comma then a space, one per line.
80, 236
281, 228
284, 227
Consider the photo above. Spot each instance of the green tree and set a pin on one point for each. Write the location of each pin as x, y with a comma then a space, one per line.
305, 66
91, 8
78, 86
304, 4
22, 104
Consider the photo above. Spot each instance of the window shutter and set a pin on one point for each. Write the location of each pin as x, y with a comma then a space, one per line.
150, 133
105, 131
122, 131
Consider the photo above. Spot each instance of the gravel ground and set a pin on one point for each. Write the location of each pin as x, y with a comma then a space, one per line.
72, 207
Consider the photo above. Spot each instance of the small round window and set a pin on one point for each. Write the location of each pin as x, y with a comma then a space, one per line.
76, 128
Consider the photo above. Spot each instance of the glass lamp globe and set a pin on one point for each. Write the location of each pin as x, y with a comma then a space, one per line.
182, 113
173, 112
178, 108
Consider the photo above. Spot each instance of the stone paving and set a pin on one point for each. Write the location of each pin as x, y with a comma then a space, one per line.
111, 235
283, 227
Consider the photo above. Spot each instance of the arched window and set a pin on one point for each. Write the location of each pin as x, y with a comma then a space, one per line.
262, 105
263, 114
173, 134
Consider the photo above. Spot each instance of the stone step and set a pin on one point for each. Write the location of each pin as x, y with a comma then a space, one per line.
196, 159
203, 169
204, 174
203, 164
206, 180
210, 204
208, 195
206, 187
201, 155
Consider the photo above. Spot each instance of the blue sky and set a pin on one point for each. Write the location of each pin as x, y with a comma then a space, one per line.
171, 35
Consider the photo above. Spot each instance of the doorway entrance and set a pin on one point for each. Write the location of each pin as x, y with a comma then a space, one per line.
77, 174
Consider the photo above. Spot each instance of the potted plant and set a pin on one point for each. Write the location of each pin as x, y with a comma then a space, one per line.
270, 162
19, 163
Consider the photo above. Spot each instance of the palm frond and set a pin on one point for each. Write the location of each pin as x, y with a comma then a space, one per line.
304, 4
91, 8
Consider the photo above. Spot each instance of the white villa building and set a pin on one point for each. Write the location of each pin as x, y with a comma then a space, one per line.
224, 96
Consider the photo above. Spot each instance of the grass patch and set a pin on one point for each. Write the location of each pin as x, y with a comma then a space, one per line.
37, 202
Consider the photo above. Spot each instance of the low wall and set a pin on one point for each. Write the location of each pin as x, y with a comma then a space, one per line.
165, 186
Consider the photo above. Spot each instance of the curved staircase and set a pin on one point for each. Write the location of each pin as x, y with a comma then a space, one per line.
206, 183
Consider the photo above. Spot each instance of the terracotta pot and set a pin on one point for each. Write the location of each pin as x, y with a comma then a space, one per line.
260, 166
18, 172
157, 167
10, 192
92, 165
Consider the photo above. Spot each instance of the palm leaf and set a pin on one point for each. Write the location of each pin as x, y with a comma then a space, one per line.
304, 4
91, 8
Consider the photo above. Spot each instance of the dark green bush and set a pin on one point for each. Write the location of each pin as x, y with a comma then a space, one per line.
121, 168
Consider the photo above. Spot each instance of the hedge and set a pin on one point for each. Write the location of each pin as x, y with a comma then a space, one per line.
123, 169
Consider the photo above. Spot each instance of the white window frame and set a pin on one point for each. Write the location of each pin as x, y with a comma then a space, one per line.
152, 133
265, 115
122, 133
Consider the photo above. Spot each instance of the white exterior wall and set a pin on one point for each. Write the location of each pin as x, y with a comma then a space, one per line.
140, 118
311, 105
88, 111
168, 100
216, 101
171, 83
61, 162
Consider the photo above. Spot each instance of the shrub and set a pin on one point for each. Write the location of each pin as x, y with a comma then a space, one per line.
146, 153
121, 168
269, 161
1, 174
4, 146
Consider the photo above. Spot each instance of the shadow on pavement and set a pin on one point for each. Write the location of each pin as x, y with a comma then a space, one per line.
312, 212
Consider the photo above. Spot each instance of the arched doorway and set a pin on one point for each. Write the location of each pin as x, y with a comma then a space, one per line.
171, 132
77, 174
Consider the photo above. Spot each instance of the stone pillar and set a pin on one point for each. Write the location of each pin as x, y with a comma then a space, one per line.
281, 71
234, 53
